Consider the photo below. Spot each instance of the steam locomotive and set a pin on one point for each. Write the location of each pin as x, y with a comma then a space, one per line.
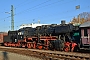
62, 37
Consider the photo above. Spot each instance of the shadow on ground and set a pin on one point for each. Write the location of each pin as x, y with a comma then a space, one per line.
84, 51
5, 56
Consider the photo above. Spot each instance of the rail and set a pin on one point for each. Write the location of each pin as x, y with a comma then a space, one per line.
48, 55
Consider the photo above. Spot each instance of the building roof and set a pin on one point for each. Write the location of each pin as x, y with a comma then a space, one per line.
86, 24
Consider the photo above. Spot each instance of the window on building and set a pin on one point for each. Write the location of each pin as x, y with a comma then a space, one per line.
85, 32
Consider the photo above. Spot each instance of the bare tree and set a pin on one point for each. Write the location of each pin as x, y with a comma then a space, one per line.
85, 15
81, 18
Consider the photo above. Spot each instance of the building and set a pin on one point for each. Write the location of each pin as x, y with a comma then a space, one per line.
2, 34
85, 34
33, 25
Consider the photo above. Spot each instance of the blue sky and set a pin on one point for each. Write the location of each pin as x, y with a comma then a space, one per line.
47, 11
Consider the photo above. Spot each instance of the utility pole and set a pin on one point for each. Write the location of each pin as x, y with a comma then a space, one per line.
79, 21
12, 18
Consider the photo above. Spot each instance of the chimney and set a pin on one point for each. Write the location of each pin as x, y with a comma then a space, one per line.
63, 22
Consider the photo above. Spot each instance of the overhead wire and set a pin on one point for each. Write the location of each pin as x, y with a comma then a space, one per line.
36, 6
25, 10
32, 7
22, 3
18, 5
72, 10
45, 5
61, 17
48, 5
39, 7
61, 14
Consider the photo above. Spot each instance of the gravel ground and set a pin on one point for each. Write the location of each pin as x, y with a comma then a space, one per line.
13, 56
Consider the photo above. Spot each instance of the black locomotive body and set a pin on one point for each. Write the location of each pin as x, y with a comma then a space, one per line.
58, 37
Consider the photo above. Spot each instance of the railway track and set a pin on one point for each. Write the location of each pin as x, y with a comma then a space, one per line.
48, 55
